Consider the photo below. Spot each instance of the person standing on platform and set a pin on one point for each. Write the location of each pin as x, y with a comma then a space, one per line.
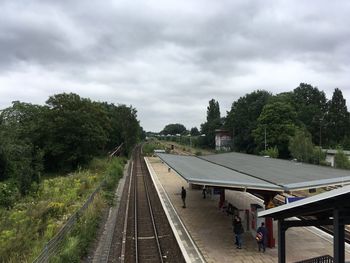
238, 230
183, 197
261, 236
204, 192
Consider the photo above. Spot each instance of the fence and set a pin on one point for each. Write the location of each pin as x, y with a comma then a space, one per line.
321, 259
53, 246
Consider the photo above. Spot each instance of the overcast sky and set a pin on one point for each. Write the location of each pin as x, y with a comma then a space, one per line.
169, 58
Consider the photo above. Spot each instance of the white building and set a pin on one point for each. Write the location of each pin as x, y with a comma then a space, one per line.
330, 153
223, 140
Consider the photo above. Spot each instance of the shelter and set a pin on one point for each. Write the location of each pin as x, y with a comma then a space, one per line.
254, 172
198, 171
261, 176
288, 175
329, 208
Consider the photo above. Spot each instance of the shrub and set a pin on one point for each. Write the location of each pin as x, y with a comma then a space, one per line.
69, 253
34, 219
8, 195
78, 241
271, 152
341, 160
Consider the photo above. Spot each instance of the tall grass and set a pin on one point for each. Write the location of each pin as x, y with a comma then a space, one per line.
35, 219
77, 243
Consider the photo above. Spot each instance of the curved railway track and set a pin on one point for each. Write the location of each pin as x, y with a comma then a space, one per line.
148, 236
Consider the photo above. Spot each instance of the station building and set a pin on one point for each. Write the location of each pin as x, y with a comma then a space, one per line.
330, 154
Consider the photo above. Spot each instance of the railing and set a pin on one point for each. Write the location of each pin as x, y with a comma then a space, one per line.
53, 246
321, 259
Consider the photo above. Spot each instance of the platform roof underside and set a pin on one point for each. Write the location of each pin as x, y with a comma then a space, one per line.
253, 172
320, 205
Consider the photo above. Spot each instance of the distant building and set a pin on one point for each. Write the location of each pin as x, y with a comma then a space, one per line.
223, 140
330, 153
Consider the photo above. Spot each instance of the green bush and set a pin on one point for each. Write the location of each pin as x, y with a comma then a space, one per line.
113, 174
149, 147
31, 221
271, 152
77, 243
69, 253
8, 195
341, 160
79, 240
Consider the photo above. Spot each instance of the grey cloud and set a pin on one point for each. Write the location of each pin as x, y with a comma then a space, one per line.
179, 53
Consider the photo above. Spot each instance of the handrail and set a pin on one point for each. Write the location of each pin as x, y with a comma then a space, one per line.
321, 259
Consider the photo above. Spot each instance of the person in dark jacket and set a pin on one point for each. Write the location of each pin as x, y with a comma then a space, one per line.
204, 192
262, 237
238, 230
183, 197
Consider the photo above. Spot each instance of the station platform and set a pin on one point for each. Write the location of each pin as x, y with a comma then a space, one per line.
208, 234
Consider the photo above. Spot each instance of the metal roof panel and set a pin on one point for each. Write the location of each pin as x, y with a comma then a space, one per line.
196, 170
291, 175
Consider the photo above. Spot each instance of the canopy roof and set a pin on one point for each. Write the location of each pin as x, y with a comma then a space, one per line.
196, 170
287, 174
253, 172
321, 205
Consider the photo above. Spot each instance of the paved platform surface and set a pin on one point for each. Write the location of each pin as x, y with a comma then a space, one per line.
211, 229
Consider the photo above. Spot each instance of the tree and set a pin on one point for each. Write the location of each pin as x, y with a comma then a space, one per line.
4, 162
173, 129
311, 106
63, 135
124, 127
242, 119
194, 131
337, 119
301, 146
341, 160
213, 122
277, 122
77, 130
21, 139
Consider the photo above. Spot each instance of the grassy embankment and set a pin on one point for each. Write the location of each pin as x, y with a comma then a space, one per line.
35, 219
184, 147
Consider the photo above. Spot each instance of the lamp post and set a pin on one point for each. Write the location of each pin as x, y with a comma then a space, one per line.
321, 120
190, 140
265, 136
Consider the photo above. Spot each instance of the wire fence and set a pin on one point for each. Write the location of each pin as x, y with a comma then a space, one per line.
54, 245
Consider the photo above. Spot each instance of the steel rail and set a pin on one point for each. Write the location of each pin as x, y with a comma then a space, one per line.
151, 214
122, 256
136, 215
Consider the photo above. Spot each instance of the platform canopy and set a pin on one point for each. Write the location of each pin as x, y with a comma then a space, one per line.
319, 206
253, 172
289, 175
199, 171
329, 208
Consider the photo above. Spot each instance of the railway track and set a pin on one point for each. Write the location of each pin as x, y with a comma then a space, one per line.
148, 236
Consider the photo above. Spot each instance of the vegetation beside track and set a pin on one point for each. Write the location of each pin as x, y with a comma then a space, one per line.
35, 219
149, 147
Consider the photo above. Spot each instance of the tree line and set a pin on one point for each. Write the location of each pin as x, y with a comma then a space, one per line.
64, 134
261, 121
